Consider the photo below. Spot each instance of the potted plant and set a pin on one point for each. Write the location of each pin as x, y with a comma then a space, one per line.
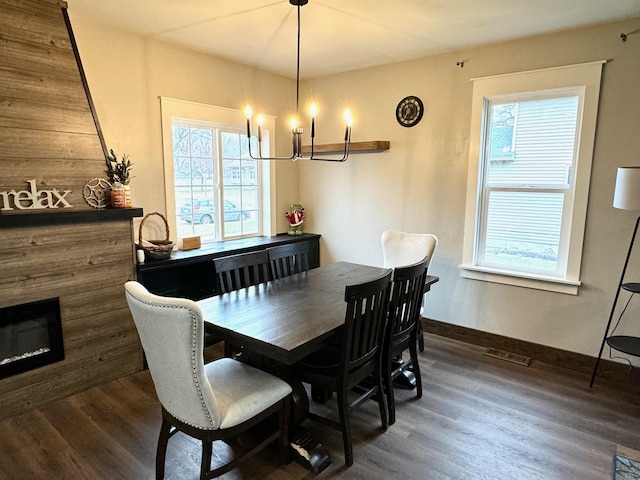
119, 172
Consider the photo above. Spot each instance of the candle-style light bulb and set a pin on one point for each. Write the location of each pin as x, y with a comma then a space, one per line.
313, 111
294, 125
248, 113
348, 120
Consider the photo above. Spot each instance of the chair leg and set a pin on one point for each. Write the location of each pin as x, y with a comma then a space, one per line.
416, 369
391, 402
205, 465
284, 449
382, 402
420, 337
343, 411
161, 452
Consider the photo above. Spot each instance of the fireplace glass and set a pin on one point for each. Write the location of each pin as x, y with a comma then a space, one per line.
30, 336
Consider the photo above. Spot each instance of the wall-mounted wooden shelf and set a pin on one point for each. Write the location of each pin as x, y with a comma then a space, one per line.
355, 147
42, 217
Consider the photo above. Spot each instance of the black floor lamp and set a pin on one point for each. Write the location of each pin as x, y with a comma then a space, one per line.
626, 197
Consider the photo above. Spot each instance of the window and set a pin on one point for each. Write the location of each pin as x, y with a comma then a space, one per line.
529, 176
214, 189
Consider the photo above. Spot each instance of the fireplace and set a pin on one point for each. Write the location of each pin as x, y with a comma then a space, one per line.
30, 336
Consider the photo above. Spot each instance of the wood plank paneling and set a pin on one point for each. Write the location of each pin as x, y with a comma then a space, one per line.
95, 351
86, 269
50, 8
25, 55
53, 173
48, 133
30, 143
45, 116
24, 25
102, 255
41, 87
51, 283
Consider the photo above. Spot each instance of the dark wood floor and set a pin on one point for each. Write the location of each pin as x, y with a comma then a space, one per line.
480, 418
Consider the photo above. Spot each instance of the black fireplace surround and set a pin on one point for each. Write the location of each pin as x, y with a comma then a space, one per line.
30, 336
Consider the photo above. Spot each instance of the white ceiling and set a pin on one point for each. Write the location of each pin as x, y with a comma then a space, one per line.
341, 35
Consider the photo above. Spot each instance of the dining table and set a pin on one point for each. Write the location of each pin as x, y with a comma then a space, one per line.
280, 322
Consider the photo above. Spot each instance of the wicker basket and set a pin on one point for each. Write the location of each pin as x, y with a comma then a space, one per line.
155, 249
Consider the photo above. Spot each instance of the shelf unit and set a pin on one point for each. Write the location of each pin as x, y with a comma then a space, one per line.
622, 343
614, 341
354, 147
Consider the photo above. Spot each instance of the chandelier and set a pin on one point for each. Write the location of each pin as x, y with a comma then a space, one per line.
297, 131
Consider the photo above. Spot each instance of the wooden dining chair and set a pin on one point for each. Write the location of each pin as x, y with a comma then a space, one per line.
243, 270
341, 368
212, 402
402, 248
288, 259
402, 328
234, 272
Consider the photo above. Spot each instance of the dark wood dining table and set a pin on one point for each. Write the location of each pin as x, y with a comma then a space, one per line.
285, 320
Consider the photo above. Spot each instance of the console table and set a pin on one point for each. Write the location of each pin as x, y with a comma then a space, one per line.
190, 274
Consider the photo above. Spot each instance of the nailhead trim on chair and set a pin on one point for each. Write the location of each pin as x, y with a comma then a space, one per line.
194, 326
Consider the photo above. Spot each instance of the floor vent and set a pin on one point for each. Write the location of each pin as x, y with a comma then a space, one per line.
508, 356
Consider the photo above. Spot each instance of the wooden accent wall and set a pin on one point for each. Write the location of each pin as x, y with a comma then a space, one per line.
47, 130
48, 133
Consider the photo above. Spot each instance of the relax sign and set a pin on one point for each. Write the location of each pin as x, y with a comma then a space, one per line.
33, 198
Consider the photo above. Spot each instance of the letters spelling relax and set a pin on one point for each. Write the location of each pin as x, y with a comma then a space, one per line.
34, 198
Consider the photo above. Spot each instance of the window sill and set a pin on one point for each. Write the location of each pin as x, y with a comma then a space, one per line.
538, 282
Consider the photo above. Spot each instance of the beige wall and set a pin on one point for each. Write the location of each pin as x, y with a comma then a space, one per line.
127, 74
420, 183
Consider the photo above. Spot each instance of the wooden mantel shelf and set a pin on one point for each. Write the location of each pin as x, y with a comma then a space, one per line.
354, 147
63, 216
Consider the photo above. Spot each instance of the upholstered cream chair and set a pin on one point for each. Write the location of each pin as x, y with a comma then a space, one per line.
400, 249
216, 401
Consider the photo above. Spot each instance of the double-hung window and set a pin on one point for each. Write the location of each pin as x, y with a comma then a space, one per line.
214, 189
529, 176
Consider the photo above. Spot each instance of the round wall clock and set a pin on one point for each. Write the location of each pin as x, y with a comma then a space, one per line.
409, 111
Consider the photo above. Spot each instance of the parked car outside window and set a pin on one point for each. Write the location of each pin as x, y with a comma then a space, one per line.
203, 212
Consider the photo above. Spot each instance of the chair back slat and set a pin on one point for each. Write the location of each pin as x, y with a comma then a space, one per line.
289, 259
405, 303
240, 271
367, 305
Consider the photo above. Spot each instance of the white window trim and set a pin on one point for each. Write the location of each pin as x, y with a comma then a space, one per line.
172, 108
587, 75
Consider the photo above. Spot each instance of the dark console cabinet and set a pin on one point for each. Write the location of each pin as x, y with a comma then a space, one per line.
191, 274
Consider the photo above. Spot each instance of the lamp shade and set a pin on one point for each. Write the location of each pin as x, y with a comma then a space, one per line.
627, 194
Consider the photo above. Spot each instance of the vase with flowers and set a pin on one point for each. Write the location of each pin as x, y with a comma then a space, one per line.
119, 172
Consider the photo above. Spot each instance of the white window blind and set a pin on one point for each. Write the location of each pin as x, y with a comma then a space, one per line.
532, 137
525, 193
